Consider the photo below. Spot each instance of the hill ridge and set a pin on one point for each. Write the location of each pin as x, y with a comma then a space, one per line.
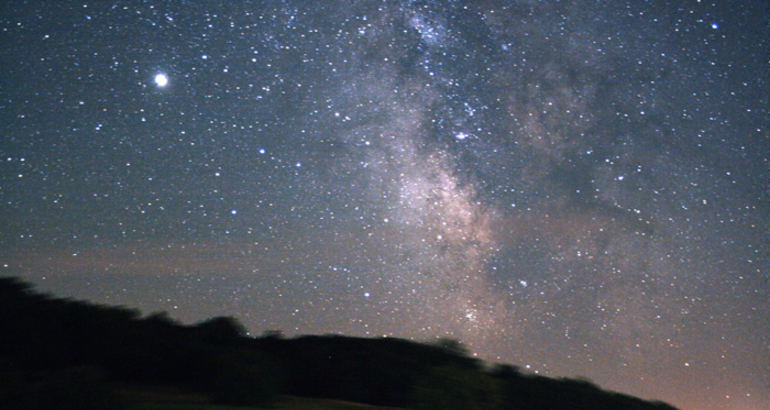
73, 349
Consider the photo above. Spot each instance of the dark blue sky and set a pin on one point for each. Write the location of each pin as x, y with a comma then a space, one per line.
575, 188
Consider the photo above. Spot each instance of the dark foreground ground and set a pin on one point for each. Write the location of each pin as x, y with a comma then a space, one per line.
164, 399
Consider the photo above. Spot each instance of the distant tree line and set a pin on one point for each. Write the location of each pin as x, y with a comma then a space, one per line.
62, 354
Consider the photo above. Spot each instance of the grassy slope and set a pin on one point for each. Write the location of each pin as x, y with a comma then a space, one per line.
293, 403
150, 399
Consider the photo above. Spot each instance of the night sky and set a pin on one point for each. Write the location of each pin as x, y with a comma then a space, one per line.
577, 188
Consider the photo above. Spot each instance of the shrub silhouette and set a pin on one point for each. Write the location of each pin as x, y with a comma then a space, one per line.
220, 330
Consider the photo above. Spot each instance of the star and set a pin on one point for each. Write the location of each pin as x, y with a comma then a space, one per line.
161, 80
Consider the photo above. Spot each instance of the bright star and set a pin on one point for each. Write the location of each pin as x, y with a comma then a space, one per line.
161, 80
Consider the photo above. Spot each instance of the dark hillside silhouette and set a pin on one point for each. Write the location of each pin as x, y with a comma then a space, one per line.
42, 337
59, 353
374, 371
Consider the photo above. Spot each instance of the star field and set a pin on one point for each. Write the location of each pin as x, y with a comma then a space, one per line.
577, 189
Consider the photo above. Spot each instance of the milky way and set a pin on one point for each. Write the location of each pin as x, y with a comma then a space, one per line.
576, 189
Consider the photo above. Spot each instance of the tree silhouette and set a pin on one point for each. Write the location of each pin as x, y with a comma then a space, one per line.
221, 329
452, 346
